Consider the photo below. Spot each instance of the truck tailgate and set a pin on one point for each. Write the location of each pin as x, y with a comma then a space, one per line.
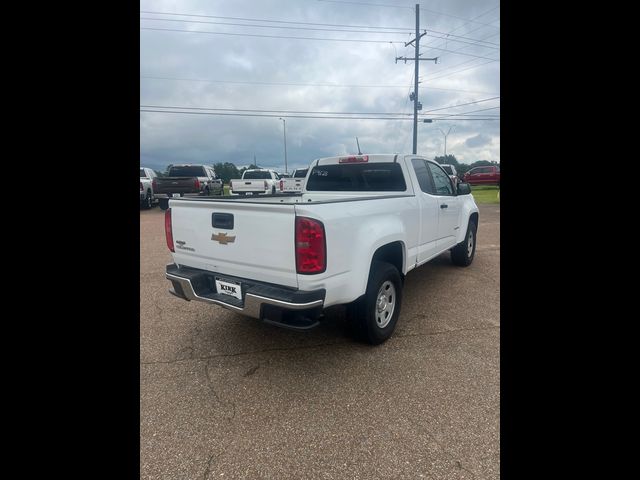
249, 186
176, 185
259, 246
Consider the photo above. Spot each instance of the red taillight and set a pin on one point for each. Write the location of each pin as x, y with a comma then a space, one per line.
141, 187
168, 231
281, 185
154, 184
197, 184
354, 159
311, 250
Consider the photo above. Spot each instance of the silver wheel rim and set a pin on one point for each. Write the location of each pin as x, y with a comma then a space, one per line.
470, 244
385, 304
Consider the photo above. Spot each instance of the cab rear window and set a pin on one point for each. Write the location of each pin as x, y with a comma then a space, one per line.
357, 177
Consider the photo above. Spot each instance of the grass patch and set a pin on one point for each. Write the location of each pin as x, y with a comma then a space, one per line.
485, 194
226, 190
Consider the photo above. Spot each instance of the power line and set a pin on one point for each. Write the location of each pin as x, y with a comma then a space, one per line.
271, 111
466, 113
397, 28
473, 20
271, 21
463, 69
474, 44
367, 4
296, 116
274, 26
316, 112
461, 36
461, 105
272, 115
457, 52
269, 36
292, 84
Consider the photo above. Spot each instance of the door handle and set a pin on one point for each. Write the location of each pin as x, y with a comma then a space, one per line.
444, 205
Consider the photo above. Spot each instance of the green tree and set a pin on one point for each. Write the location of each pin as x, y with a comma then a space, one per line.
226, 171
447, 160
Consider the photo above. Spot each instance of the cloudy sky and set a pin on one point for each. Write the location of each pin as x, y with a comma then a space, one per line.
241, 69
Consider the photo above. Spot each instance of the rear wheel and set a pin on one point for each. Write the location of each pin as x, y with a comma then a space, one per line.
462, 254
374, 315
148, 201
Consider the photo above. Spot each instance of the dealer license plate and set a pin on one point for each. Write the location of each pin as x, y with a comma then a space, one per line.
227, 287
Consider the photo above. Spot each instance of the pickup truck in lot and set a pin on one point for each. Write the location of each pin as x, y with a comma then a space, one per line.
296, 182
148, 185
255, 182
360, 225
184, 180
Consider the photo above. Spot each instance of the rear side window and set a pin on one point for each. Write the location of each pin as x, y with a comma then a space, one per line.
301, 173
424, 179
358, 177
143, 174
187, 171
447, 169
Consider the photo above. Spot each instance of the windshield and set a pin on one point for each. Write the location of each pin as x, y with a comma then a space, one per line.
300, 173
186, 171
143, 174
256, 175
447, 169
361, 177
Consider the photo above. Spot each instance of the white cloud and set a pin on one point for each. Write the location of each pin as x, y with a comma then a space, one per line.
171, 138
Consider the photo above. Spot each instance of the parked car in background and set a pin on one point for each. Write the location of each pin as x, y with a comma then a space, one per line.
296, 182
255, 182
147, 187
489, 175
451, 171
188, 180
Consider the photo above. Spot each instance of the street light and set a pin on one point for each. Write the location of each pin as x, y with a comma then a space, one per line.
284, 125
445, 139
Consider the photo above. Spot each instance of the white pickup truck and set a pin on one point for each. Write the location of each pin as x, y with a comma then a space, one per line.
295, 183
361, 223
148, 185
255, 182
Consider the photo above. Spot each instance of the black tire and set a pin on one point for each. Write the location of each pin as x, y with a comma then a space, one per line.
207, 192
148, 201
364, 313
273, 190
460, 254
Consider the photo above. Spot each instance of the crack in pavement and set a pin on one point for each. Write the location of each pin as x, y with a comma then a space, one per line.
458, 463
237, 354
427, 334
205, 476
215, 394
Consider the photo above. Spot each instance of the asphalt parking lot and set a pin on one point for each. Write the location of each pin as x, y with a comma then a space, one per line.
224, 396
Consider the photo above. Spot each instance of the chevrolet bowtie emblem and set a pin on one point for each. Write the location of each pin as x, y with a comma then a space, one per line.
222, 238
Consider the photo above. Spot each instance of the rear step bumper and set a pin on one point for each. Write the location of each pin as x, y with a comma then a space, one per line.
282, 306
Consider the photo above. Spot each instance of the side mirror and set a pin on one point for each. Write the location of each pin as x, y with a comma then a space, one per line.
464, 188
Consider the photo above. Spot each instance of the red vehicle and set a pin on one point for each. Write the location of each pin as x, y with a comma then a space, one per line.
483, 176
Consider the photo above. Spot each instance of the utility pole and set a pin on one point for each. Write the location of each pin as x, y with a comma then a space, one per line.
284, 124
414, 96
